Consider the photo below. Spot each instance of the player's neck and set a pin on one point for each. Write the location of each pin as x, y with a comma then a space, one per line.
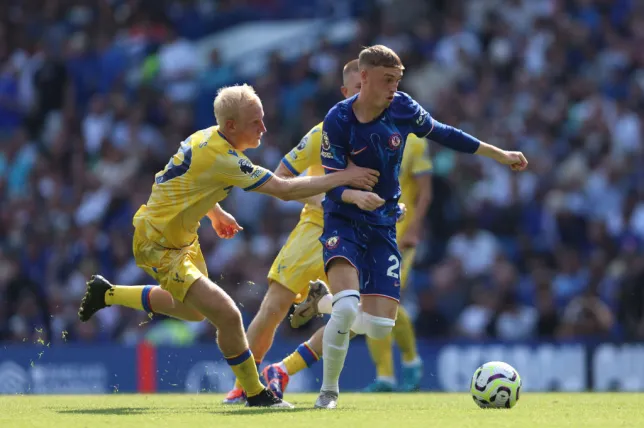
365, 109
231, 140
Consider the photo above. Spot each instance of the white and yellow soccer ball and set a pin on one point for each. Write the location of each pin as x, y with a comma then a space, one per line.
496, 385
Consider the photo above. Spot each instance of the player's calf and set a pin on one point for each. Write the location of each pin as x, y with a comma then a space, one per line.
272, 311
210, 300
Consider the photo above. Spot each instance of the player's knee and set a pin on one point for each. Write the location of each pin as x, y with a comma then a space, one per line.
228, 316
359, 326
346, 305
377, 327
195, 316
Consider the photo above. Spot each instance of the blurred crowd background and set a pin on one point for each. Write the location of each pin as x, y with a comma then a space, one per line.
96, 95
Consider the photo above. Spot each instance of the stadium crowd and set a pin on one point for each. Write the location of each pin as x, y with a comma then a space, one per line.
95, 96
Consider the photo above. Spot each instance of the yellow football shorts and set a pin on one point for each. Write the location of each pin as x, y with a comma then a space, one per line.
408, 257
174, 269
300, 260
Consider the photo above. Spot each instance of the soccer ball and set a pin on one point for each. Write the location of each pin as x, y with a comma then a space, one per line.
496, 385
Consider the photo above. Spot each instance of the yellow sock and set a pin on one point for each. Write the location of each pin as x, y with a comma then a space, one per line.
303, 357
131, 296
245, 369
238, 384
403, 333
382, 356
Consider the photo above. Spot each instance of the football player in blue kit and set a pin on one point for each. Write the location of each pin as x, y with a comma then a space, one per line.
361, 255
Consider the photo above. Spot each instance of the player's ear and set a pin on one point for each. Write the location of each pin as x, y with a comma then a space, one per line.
364, 75
230, 125
344, 91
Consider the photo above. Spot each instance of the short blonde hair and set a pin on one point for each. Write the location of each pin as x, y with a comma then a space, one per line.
349, 67
230, 99
379, 56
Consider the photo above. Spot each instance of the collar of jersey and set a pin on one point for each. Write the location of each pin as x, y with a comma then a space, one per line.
352, 114
223, 136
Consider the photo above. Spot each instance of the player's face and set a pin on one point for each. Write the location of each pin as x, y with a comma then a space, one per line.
352, 85
251, 125
381, 83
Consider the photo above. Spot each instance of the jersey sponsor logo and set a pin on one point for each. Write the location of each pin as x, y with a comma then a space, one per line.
327, 155
332, 242
293, 155
326, 145
246, 166
395, 140
256, 173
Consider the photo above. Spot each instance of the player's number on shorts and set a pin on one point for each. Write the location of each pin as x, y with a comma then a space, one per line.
392, 269
173, 170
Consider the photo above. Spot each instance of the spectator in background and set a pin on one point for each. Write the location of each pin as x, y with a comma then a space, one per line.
94, 100
475, 248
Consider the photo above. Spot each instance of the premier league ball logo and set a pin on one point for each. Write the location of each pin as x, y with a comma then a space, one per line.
326, 145
395, 141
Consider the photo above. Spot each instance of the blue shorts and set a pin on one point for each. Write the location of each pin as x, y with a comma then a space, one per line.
372, 250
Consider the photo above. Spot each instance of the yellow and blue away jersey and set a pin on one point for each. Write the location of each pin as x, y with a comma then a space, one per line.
415, 162
306, 157
201, 173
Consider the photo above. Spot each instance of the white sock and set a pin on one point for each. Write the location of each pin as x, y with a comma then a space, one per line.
387, 379
335, 342
325, 304
359, 325
413, 363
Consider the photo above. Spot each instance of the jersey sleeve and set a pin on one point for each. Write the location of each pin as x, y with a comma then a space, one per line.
335, 146
306, 153
235, 169
409, 111
421, 162
334, 151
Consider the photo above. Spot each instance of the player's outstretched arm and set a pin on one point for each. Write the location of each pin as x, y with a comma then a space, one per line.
516, 160
423, 125
283, 172
460, 141
304, 187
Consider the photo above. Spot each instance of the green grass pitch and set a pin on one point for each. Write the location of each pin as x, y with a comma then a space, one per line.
355, 410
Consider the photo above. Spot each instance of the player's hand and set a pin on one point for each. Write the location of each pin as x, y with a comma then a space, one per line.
403, 209
410, 239
367, 201
516, 160
360, 178
225, 225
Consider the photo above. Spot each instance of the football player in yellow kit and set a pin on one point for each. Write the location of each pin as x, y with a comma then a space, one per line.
416, 194
200, 175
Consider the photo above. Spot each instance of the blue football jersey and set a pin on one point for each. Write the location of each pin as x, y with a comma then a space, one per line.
378, 145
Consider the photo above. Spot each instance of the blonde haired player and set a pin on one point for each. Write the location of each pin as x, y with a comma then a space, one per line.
416, 194
200, 175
